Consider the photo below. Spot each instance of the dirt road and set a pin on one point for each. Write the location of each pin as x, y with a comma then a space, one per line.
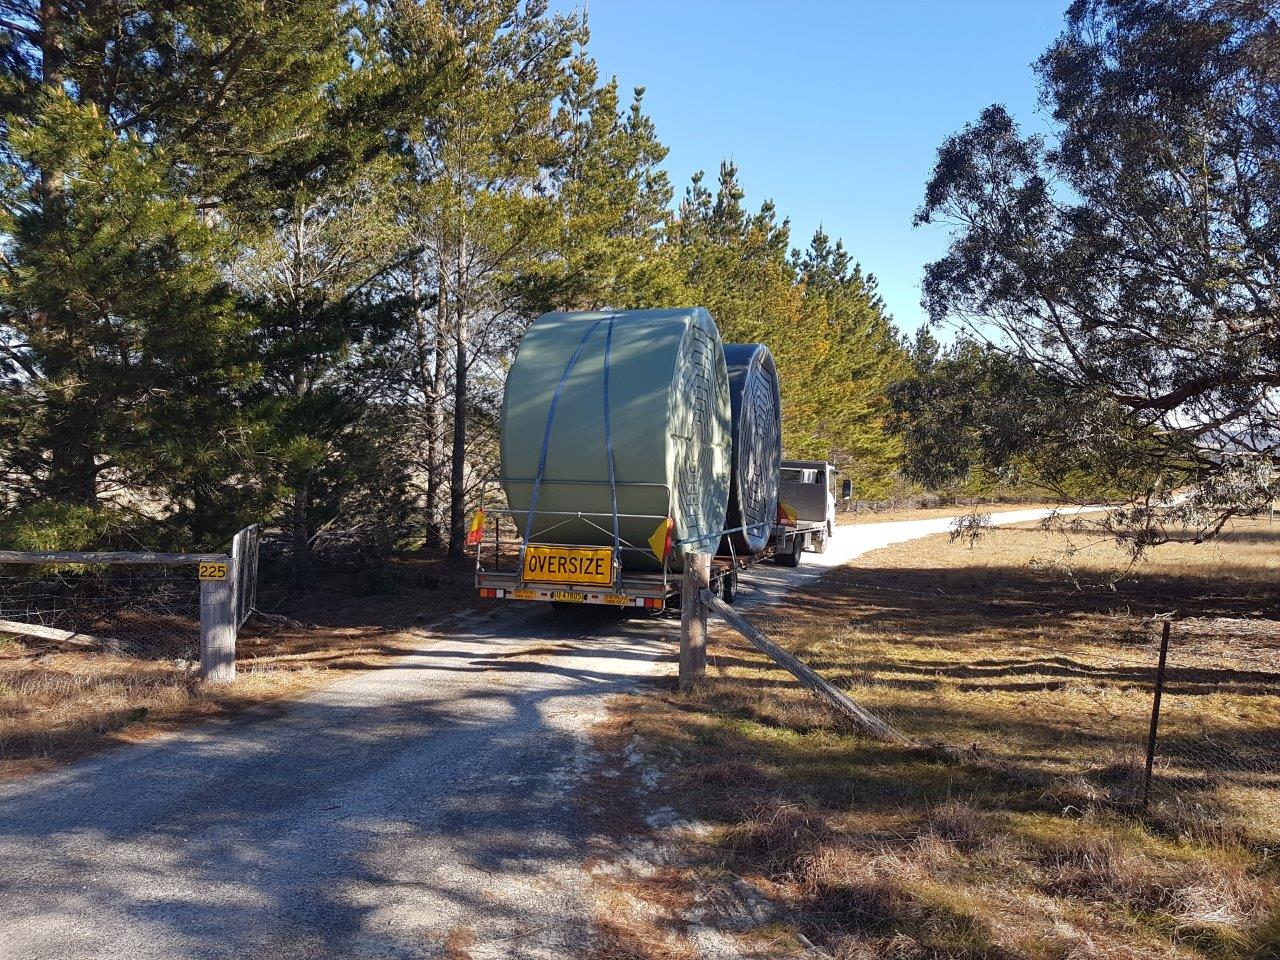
426, 810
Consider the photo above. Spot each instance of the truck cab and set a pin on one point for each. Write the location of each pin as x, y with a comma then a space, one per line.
805, 487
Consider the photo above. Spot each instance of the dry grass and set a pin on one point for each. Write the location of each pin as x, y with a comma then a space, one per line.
928, 513
57, 706
1012, 830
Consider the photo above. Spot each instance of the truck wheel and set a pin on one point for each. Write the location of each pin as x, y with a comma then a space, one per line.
792, 558
820, 543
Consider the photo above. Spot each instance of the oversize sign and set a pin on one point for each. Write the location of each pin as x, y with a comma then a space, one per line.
586, 565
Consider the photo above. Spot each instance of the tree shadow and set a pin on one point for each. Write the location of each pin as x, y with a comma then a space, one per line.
370, 819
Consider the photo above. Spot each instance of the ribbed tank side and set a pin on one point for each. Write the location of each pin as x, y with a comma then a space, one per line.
700, 444
757, 447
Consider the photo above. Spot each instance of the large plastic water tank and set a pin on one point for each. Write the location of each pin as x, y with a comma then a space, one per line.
757, 447
668, 425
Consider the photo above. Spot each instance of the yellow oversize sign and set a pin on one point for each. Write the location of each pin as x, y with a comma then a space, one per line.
591, 565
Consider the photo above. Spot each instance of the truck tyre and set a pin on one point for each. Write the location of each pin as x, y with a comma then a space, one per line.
791, 558
820, 542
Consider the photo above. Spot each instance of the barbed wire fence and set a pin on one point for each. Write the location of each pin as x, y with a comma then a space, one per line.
175, 606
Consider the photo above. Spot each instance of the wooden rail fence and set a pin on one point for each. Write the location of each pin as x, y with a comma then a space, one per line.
225, 601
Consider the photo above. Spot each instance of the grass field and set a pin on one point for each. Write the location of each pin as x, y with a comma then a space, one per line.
1022, 670
887, 514
57, 705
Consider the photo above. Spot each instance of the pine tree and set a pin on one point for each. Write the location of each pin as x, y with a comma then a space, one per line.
329, 440
478, 203
834, 344
131, 134
863, 356
613, 203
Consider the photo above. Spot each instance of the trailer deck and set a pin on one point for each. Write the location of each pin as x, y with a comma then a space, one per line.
502, 574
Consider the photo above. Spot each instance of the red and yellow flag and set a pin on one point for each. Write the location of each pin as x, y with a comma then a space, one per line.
786, 515
660, 541
477, 528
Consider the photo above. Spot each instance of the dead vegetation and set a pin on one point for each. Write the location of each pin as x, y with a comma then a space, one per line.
1012, 829
58, 704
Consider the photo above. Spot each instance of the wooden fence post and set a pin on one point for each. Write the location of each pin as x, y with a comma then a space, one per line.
693, 619
218, 628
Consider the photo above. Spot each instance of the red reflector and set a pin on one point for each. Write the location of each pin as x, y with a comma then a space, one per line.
488, 592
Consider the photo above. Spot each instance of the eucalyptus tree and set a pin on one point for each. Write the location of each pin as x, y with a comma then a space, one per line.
1128, 263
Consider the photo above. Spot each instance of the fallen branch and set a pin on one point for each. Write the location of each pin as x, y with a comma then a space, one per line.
866, 721
69, 637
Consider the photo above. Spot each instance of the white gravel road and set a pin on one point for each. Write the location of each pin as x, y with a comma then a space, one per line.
406, 812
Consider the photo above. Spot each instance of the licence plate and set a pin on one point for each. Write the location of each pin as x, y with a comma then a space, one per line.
564, 596
592, 566
523, 594
617, 599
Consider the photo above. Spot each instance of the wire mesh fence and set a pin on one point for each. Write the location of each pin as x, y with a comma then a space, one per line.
150, 611
245, 548
1077, 720
1218, 723
147, 605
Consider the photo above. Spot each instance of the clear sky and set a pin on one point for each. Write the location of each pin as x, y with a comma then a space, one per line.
833, 109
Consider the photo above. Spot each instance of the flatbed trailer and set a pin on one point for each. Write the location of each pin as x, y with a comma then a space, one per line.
500, 567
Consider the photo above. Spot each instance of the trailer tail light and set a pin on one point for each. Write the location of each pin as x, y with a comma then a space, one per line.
652, 602
488, 592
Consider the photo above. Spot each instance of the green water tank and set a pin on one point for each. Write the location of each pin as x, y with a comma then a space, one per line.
668, 425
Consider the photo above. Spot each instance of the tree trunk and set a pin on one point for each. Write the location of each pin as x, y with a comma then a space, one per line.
301, 533
73, 473
435, 420
457, 474
430, 373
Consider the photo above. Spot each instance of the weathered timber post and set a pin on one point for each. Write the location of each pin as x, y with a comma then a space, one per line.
693, 619
218, 628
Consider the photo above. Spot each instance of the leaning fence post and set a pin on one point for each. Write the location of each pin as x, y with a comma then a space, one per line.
693, 619
218, 627
1155, 714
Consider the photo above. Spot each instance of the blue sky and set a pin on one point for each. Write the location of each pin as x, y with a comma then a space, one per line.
833, 110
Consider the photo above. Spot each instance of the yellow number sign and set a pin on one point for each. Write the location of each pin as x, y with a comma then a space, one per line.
213, 571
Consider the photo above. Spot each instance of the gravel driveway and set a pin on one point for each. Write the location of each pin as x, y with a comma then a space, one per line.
425, 810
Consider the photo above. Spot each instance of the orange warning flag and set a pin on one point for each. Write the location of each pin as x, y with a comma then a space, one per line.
786, 515
660, 542
477, 528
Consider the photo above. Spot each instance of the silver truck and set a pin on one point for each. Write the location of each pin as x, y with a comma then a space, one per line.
804, 493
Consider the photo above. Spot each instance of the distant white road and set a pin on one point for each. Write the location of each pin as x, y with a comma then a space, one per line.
387, 816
